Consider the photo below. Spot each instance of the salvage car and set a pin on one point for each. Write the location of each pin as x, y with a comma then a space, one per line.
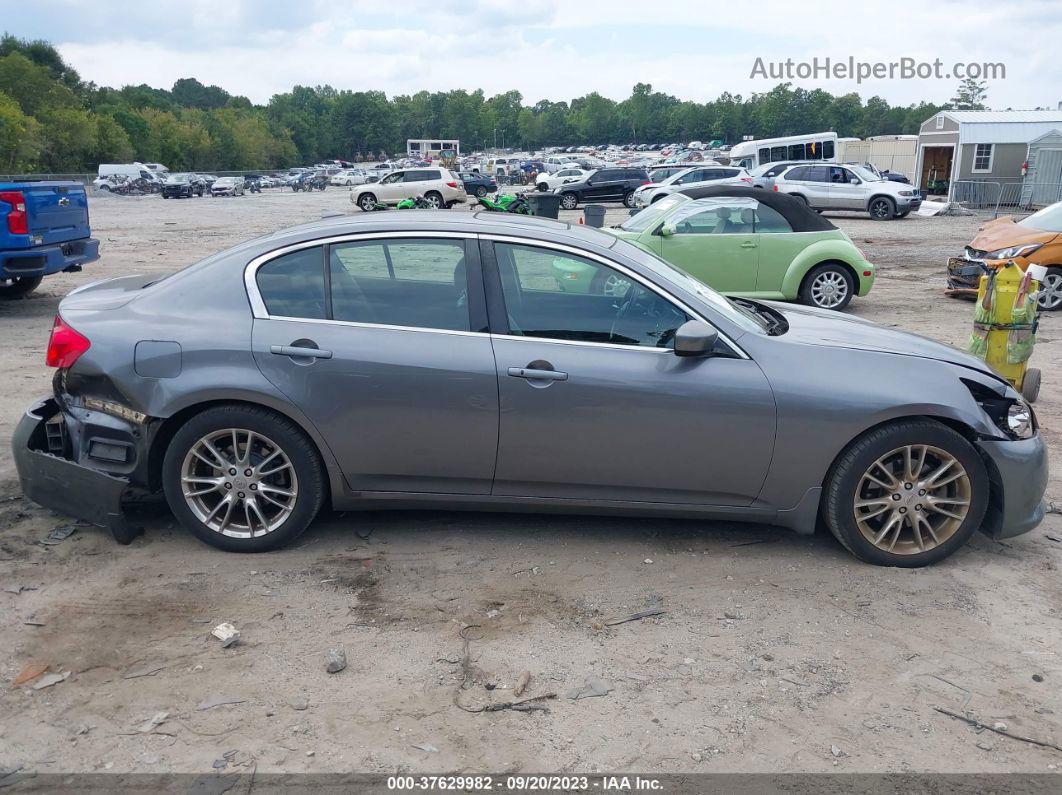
833, 187
602, 185
698, 176
228, 186
182, 186
743, 242
430, 360
1034, 240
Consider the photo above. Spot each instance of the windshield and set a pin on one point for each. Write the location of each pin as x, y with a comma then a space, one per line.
866, 174
742, 318
651, 214
1048, 219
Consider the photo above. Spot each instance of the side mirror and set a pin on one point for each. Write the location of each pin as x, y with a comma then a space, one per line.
667, 230
854, 181
695, 338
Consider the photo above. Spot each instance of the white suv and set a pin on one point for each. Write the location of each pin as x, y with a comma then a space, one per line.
547, 182
439, 187
834, 187
697, 177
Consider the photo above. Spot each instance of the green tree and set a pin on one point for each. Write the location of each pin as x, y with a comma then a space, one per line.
19, 142
970, 95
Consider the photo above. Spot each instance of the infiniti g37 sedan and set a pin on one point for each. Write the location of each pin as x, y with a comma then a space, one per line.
427, 360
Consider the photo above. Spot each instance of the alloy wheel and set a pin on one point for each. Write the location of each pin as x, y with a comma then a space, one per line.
434, 199
239, 483
829, 289
569, 201
614, 286
912, 499
1051, 292
881, 209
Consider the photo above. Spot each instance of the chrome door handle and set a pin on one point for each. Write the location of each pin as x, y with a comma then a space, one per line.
291, 350
538, 375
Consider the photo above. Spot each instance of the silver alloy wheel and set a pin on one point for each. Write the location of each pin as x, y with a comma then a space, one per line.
239, 483
569, 201
1051, 292
434, 199
912, 499
615, 286
829, 289
367, 202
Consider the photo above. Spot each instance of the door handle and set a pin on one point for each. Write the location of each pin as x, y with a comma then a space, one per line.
748, 244
537, 375
293, 350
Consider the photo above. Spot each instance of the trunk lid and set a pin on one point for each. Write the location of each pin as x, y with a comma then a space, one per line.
108, 293
58, 211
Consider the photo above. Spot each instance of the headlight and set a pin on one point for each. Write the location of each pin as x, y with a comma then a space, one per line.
907, 193
1020, 420
1013, 251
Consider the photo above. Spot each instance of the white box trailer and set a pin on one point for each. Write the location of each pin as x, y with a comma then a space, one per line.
896, 153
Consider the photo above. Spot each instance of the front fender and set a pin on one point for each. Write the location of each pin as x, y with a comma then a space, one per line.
833, 250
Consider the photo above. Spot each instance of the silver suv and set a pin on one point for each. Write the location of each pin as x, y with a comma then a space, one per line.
835, 187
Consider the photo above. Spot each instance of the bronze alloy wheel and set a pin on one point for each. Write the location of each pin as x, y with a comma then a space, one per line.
912, 499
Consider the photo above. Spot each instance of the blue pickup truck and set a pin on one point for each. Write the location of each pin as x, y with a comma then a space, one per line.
44, 229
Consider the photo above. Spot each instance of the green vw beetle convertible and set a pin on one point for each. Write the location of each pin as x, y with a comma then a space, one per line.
744, 242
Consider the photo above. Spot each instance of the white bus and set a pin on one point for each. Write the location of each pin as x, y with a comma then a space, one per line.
816, 146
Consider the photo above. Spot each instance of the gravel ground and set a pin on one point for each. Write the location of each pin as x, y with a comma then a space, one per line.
774, 652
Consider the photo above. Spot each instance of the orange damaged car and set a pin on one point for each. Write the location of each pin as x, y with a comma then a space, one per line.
1034, 240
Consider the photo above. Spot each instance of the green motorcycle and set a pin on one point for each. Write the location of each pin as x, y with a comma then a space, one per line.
506, 203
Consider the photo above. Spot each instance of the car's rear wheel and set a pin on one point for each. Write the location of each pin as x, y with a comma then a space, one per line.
481, 191
882, 208
569, 201
542, 187
1050, 299
434, 198
628, 199
19, 286
243, 479
907, 494
827, 286
367, 202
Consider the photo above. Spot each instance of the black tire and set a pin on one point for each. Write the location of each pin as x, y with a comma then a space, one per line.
1051, 290
628, 199
1030, 384
367, 202
813, 290
20, 286
165, 196
542, 187
569, 200
657, 198
842, 483
434, 197
800, 196
287, 435
481, 191
882, 208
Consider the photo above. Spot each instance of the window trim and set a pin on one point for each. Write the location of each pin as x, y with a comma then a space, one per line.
260, 312
496, 294
991, 159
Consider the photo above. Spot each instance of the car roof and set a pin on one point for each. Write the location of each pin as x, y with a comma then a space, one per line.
801, 217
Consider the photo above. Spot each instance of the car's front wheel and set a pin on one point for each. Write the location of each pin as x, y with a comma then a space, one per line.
367, 202
1050, 298
243, 479
882, 208
542, 187
827, 286
569, 201
906, 494
628, 199
481, 191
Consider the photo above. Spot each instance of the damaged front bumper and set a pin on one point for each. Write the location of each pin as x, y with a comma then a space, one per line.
54, 481
965, 274
1018, 479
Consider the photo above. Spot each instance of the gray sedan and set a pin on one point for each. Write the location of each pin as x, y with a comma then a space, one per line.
430, 360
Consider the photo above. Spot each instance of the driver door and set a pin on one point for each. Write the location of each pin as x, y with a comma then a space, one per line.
389, 189
594, 404
715, 241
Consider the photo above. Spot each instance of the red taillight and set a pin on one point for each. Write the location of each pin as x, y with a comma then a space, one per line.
65, 345
451, 184
645, 182
746, 179
17, 220
775, 188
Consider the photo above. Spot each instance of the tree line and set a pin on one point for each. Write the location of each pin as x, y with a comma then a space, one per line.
51, 121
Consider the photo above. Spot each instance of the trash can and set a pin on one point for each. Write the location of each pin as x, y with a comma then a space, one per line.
545, 205
594, 215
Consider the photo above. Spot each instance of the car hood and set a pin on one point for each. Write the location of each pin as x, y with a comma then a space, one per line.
1004, 233
809, 326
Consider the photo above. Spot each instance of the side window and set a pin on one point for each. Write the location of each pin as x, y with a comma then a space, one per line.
293, 285
716, 217
798, 173
796, 151
391, 179
827, 150
402, 282
555, 295
840, 176
818, 174
769, 220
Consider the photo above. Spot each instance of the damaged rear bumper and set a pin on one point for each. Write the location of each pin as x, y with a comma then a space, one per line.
64, 485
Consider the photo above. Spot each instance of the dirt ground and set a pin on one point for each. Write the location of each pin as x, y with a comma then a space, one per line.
774, 652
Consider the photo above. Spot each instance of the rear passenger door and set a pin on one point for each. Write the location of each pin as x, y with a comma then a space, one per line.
381, 341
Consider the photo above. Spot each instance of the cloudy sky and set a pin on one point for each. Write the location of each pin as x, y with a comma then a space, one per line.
551, 49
